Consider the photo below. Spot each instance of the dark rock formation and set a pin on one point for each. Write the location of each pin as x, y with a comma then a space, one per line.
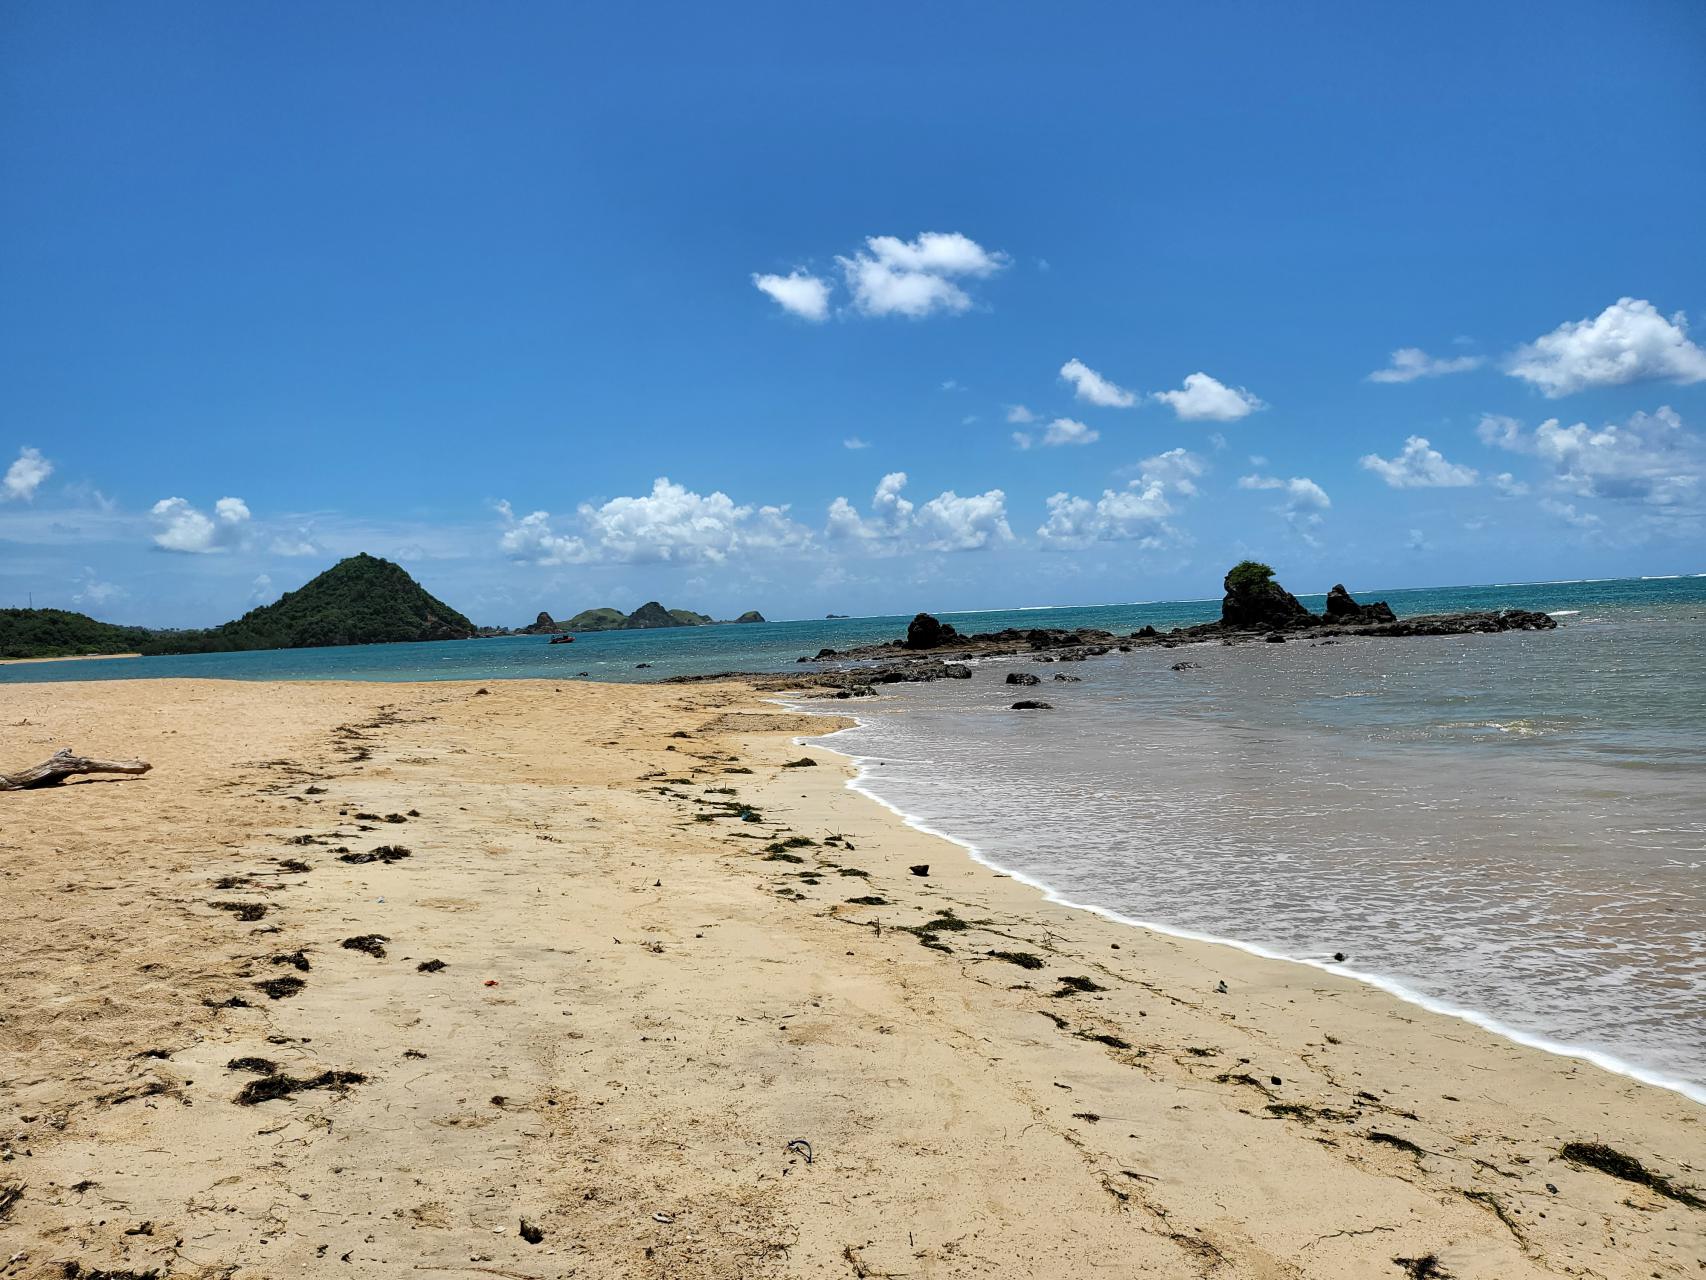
1030, 704
1254, 601
1022, 677
925, 632
1342, 608
1073, 679
751, 615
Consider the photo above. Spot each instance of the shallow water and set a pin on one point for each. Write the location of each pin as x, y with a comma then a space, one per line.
1510, 824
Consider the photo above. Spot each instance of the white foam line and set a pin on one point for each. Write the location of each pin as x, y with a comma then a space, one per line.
1605, 1061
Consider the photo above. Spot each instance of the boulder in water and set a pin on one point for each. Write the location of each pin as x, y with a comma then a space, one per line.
927, 632
1343, 608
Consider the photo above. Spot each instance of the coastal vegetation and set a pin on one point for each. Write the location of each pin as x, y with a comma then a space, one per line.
59, 633
361, 600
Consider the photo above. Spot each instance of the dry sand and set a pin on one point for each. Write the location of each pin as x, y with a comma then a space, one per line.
646, 997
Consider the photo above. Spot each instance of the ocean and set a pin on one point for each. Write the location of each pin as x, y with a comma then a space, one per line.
1511, 828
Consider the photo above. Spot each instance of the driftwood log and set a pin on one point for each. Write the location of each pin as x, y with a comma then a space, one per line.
63, 764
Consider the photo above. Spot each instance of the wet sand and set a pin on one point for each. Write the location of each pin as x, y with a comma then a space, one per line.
655, 978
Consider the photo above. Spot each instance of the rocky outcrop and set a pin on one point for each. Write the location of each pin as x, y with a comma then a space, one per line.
1343, 608
751, 615
1256, 604
925, 632
1022, 677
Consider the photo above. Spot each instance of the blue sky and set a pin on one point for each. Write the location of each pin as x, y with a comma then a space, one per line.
561, 305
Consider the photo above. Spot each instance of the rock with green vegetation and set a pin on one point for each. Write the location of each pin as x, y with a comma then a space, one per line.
361, 600
751, 615
687, 618
650, 615
58, 633
1255, 600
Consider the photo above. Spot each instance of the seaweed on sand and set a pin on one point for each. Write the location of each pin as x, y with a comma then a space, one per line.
1024, 959
280, 988
270, 1087
384, 853
371, 943
1608, 1160
244, 911
1071, 986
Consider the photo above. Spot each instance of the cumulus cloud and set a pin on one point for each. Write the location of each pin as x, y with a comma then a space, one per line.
1630, 341
1419, 466
798, 293
1650, 459
181, 527
94, 593
1090, 386
1137, 513
1410, 363
670, 524
1059, 432
1204, 399
947, 522
1019, 415
915, 278
1566, 512
24, 476
1509, 486
854, 442
1301, 504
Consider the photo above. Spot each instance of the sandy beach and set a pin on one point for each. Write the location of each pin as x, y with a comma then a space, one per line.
633, 992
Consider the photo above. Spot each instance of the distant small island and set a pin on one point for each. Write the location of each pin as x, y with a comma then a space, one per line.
361, 600
649, 616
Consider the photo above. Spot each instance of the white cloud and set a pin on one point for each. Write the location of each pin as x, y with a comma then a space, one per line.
1650, 459
181, 527
1068, 431
1137, 513
914, 278
1204, 399
1022, 440
1091, 386
947, 522
1630, 341
1410, 363
952, 523
24, 476
854, 442
93, 592
1019, 415
670, 524
261, 590
1419, 466
1566, 511
798, 293
1302, 503
1508, 485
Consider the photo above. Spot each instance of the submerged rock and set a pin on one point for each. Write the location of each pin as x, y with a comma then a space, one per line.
1022, 677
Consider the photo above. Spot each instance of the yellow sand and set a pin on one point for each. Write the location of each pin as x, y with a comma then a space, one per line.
640, 1010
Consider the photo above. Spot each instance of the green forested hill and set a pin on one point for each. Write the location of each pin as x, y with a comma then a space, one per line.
58, 633
361, 600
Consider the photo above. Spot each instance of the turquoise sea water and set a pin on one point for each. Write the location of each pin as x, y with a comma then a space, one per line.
1512, 826
773, 646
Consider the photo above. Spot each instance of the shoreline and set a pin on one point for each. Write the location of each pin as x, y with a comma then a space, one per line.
1692, 1090
696, 1012
69, 657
